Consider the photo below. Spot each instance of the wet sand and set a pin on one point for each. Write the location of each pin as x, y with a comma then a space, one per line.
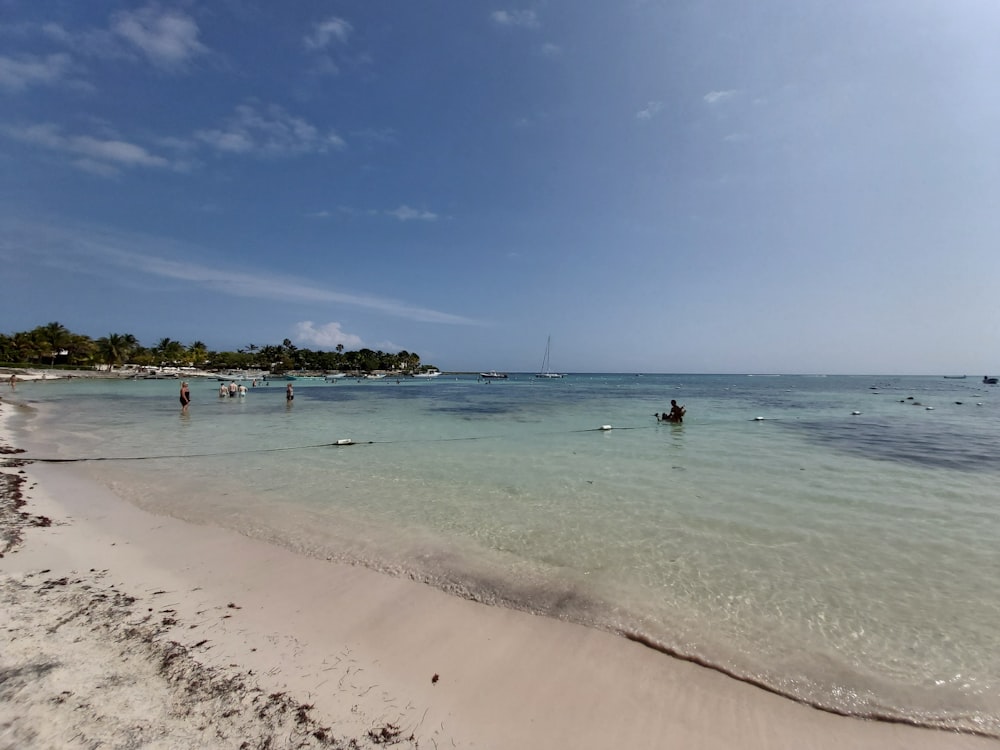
127, 629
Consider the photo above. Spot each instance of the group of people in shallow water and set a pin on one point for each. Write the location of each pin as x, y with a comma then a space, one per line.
675, 415
233, 390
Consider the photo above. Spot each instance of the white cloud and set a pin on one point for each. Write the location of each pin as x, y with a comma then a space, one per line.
525, 18
715, 97
551, 50
100, 156
17, 75
101, 169
168, 39
650, 111
272, 132
326, 336
330, 30
405, 213
103, 252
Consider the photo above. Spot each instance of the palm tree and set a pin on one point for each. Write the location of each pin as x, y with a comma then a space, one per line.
26, 346
54, 337
80, 348
198, 353
170, 351
114, 348
6, 348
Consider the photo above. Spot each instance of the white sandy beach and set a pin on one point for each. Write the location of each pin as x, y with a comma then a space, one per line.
126, 629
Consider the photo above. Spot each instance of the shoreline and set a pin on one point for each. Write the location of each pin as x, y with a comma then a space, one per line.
359, 649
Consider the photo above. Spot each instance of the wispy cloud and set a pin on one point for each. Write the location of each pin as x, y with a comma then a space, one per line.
109, 253
18, 74
524, 18
168, 39
716, 97
405, 213
321, 41
326, 32
549, 49
327, 336
271, 132
649, 111
107, 156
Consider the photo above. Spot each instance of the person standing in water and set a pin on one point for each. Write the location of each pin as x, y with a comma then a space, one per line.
185, 397
289, 394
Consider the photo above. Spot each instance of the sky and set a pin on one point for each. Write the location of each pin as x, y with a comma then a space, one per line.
658, 186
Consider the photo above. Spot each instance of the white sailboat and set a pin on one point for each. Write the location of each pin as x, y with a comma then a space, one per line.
545, 371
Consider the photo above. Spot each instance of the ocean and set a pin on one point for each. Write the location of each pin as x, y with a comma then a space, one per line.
833, 539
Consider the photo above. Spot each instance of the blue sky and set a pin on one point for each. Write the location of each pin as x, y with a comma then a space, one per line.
714, 186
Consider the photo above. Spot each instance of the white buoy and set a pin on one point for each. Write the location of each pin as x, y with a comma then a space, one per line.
758, 419
605, 427
929, 408
855, 413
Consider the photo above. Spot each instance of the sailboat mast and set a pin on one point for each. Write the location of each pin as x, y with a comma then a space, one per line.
545, 373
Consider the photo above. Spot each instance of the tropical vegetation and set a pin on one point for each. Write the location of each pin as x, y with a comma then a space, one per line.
55, 345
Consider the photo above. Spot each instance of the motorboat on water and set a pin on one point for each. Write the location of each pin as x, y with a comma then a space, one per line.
427, 374
990, 381
238, 375
493, 375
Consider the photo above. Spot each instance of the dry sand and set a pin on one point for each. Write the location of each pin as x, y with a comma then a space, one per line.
123, 629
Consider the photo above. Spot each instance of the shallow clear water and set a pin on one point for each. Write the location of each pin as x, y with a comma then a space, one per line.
846, 560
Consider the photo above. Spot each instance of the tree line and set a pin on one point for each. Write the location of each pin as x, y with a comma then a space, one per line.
54, 344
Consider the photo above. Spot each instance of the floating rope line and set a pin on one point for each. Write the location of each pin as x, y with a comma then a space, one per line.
342, 443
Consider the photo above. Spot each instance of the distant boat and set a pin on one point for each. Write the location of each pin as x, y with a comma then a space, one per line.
336, 375
545, 371
427, 374
990, 381
954, 377
242, 375
375, 376
493, 375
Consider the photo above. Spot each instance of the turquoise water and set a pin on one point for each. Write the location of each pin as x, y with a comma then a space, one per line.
846, 560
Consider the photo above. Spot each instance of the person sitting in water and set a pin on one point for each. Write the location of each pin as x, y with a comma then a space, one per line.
676, 413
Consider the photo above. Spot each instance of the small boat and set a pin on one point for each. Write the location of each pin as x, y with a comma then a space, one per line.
335, 375
990, 381
954, 377
238, 375
545, 371
375, 376
493, 375
427, 374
